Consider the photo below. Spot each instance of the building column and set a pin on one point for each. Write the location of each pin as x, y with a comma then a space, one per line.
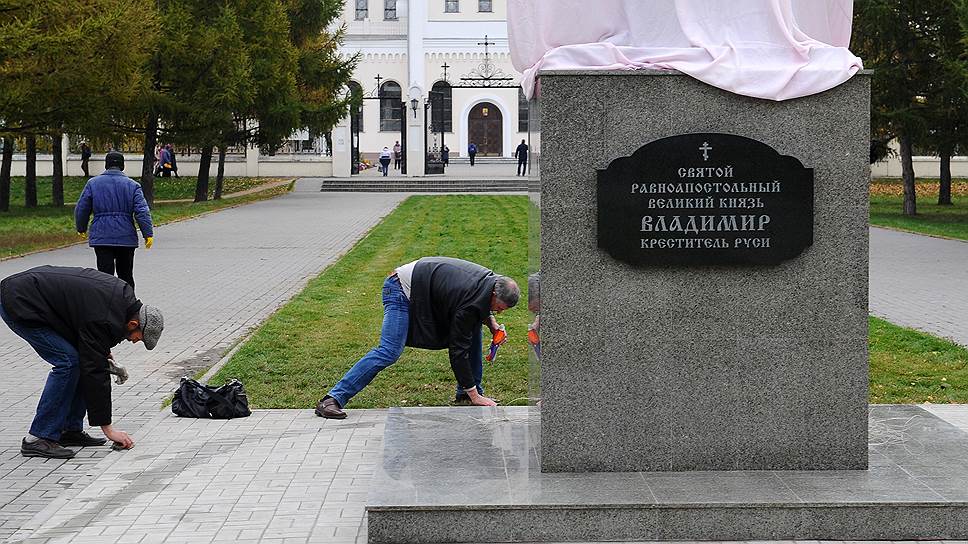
65, 144
342, 149
251, 161
416, 22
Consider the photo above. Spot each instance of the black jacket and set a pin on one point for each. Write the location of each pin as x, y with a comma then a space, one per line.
449, 301
87, 308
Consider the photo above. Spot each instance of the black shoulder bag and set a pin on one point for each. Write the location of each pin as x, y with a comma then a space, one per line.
193, 399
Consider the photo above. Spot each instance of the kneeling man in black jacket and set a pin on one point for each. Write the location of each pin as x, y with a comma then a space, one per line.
432, 303
72, 317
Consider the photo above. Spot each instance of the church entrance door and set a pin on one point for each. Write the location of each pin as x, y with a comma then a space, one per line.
485, 128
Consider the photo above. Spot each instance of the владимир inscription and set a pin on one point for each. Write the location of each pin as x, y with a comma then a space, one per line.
705, 199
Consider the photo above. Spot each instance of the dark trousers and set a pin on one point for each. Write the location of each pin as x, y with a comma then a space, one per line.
472, 155
61, 407
111, 258
522, 165
84, 168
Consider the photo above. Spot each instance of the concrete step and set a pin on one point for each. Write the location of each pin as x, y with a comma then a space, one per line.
489, 488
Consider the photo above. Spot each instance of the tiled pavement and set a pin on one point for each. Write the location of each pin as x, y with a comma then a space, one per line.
278, 476
215, 277
919, 282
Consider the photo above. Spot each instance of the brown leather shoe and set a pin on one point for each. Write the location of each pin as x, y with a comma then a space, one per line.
329, 408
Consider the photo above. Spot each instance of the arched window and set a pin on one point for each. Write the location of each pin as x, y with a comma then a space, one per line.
356, 109
523, 111
391, 110
442, 107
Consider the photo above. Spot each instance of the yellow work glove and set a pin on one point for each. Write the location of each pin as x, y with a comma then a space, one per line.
149, 241
82, 234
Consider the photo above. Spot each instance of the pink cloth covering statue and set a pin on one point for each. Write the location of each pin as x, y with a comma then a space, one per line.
773, 49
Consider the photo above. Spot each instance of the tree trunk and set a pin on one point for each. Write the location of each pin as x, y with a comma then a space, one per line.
5, 174
220, 176
30, 186
148, 159
944, 192
57, 185
907, 173
204, 165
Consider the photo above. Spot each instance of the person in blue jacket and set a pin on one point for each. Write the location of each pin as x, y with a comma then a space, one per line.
114, 199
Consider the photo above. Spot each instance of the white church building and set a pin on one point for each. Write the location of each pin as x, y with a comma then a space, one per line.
450, 54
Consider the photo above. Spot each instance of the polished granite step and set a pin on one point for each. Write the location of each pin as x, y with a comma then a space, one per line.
470, 474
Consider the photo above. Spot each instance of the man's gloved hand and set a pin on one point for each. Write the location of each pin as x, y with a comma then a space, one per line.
149, 241
82, 234
117, 370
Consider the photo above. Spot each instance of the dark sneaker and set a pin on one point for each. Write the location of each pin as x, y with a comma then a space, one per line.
80, 439
45, 448
330, 409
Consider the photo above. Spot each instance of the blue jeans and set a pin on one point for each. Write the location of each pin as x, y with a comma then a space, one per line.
393, 338
61, 407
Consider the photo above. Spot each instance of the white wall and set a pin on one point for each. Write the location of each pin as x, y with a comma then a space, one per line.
235, 166
928, 167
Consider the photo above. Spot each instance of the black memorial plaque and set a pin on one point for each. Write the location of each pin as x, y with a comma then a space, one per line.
705, 199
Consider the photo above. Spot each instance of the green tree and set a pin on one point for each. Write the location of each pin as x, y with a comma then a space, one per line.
322, 73
894, 38
946, 97
68, 65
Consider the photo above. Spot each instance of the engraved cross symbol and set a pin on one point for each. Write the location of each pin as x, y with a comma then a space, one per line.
705, 148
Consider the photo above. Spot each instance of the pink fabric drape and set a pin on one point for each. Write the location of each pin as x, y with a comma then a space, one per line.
773, 49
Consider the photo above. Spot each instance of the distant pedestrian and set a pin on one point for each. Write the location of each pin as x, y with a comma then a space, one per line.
114, 199
85, 158
522, 154
159, 155
445, 155
472, 152
172, 160
165, 160
385, 160
397, 153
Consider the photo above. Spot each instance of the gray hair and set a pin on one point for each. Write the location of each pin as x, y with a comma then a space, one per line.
507, 291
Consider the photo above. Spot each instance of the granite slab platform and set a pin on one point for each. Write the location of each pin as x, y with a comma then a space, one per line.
468, 474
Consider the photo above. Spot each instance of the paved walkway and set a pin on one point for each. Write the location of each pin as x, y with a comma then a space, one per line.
920, 282
215, 277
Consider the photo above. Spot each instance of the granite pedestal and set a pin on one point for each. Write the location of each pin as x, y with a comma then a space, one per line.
471, 475
701, 367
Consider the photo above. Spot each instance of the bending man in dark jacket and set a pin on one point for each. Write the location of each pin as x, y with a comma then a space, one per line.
114, 198
432, 303
72, 317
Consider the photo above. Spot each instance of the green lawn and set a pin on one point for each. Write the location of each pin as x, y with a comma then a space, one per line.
23, 230
947, 221
302, 350
912, 367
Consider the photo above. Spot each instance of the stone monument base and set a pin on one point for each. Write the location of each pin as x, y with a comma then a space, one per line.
472, 475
